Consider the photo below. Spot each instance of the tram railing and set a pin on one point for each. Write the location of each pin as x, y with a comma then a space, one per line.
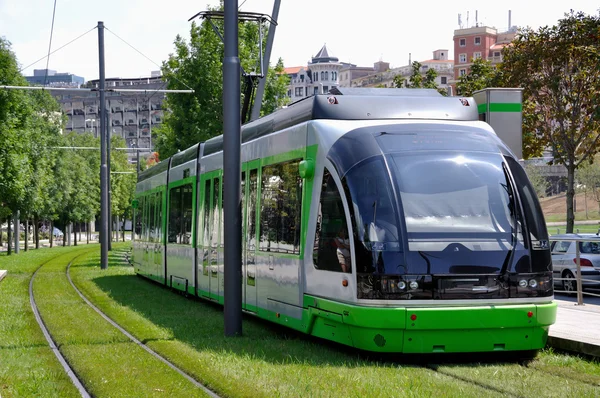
578, 276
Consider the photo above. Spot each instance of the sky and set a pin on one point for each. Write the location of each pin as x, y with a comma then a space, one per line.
360, 32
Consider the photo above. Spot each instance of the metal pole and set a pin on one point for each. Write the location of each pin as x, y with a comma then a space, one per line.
579, 285
260, 91
232, 173
109, 206
17, 229
103, 167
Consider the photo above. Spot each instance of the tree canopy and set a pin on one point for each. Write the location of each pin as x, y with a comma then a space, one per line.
558, 69
197, 63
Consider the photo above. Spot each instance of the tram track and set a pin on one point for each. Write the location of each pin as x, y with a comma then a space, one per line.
141, 344
65, 364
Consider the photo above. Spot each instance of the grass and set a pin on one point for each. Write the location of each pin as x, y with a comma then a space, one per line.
267, 361
28, 367
270, 361
579, 216
106, 361
578, 228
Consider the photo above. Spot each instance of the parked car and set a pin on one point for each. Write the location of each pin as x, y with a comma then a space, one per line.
564, 260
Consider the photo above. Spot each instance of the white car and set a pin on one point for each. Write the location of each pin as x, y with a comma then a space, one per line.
564, 261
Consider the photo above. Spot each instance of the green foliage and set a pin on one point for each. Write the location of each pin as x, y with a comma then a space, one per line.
482, 75
275, 89
539, 182
588, 176
417, 80
198, 63
557, 67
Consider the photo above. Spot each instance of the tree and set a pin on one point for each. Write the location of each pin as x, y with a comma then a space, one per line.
588, 178
192, 118
557, 67
275, 89
539, 182
417, 80
482, 75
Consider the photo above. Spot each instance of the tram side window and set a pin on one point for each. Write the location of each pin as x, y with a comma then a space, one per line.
174, 214
145, 220
281, 201
139, 212
180, 215
186, 215
216, 221
151, 218
252, 196
158, 228
206, 227
331, 250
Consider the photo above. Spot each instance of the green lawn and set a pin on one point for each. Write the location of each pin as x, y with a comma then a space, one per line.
272, 361
267, 361
28, 368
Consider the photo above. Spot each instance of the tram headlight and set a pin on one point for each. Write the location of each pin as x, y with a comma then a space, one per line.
533, 283
401, 285
413, 285
523, 283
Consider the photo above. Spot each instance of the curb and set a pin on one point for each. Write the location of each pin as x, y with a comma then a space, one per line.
574, 346
3, 274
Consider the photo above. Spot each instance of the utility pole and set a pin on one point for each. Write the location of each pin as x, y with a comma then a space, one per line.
260, 91
103, 167
232, 172
109, 206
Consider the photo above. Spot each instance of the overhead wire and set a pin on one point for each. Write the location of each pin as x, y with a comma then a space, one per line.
50, 44
143, 55
58, 49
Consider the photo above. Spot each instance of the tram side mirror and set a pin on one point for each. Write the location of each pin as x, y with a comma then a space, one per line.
306, 168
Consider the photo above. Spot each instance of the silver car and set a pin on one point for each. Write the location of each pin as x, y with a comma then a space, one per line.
565, 264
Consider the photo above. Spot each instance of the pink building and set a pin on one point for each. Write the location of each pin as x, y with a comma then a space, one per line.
478, 42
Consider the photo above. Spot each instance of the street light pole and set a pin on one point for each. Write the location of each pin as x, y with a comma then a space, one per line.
103, 167
232, 173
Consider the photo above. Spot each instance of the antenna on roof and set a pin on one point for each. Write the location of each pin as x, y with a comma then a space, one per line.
467, 19
476, 18
460, 25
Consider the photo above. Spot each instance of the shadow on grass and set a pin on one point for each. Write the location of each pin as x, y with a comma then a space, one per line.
200, 324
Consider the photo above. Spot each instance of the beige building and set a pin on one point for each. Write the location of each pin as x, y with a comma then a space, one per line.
440, 63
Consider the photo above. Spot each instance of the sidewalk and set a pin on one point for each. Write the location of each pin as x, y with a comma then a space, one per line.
577, 328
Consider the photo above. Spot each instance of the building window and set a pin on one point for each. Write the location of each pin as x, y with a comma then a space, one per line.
289, 93
316, 76
326, 75
325, 89
462, 72
477, 41
476, 55
444, 80
302, 78
462, 42
322, 75
496, 53
316, 91
462, 58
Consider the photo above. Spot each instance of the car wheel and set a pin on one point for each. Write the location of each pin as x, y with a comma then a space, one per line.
569, 284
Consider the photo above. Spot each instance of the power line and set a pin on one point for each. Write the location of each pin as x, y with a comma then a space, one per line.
143, 55
50, 44
60, 48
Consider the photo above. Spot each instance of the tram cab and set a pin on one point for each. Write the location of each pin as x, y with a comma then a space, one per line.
435, 210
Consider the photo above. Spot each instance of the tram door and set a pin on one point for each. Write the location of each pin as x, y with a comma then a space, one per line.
249, 214
203, 261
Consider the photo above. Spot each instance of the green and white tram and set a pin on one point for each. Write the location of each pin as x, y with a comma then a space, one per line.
390, 220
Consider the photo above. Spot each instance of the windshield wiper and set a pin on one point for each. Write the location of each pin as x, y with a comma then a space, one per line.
512, 203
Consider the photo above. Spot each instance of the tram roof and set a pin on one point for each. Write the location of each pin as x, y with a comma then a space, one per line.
358, 104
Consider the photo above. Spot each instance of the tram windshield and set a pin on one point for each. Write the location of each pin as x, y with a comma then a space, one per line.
459, 210
447, 210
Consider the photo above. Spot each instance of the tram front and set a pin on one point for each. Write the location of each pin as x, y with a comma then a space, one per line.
442, 213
